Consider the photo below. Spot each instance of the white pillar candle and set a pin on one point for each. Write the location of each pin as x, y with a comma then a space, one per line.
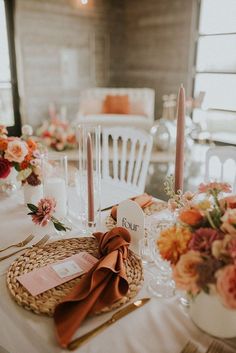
56, 188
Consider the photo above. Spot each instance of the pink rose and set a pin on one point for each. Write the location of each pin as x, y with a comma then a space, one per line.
229, 221
16, 151
228, 202
226, 285
185, 272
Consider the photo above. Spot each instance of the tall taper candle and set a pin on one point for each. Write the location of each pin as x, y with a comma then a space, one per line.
90, 179
179, 157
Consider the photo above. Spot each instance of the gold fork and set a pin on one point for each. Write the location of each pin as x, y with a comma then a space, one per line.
20, 244
39, 243
215, 347
189, 348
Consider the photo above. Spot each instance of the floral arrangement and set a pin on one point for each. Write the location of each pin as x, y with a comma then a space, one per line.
57, 134
21, 154
43, 213
201, 246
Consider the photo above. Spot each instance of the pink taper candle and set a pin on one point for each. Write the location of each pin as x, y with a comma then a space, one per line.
90, 180
179, 157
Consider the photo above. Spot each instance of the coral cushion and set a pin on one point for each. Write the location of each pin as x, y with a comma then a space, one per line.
116, 104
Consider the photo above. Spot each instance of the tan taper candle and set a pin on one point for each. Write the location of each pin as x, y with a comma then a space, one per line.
179, 157
90, 179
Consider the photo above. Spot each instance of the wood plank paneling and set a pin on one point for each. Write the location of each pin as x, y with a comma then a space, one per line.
120, 43
44, 28
158, 46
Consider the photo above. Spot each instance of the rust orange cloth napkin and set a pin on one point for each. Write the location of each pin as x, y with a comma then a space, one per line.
143, 200
104, 284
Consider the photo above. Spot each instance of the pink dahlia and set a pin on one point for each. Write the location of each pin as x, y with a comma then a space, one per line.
226, 285
5, 168
203, 238
46, 208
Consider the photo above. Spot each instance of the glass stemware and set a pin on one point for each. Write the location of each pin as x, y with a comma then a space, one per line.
161, 284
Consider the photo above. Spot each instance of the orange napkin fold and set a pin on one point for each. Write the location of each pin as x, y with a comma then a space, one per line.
143, 201
104, 284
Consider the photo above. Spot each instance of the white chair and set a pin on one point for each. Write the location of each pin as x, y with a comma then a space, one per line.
227, 172
126, 154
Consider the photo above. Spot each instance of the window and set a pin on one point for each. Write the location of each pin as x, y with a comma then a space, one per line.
9, 100
216, 69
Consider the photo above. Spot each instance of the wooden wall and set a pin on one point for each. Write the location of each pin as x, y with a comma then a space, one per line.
158, 46
60, 50
123, 43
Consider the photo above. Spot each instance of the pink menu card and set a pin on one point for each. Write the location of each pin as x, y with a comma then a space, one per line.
50, 276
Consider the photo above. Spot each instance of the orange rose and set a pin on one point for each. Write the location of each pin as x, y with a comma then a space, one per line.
28, 157
185, 272
191, 216
32, 145
3, 144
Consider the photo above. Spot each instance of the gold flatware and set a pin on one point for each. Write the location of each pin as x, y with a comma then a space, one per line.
215, 347
20, 244
117, 316
190, 347
39, 243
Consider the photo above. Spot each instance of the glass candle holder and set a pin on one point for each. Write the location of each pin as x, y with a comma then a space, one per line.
55, 176
88, 179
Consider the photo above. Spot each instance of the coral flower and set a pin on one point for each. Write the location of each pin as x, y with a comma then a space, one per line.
214, 186
24, 165
46, 208
228, 202
185, 272
173, 242
226, 285
229, 221
191, 216
3, 144
32, 144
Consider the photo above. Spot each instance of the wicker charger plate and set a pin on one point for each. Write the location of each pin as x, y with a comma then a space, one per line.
45, 303
156, 206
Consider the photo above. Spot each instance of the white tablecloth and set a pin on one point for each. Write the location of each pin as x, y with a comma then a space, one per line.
161, 326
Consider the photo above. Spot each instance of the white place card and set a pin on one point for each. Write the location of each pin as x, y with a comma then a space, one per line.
131, 216
68, 268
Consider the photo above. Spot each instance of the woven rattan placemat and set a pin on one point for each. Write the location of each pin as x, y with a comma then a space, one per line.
36, 257
156, 206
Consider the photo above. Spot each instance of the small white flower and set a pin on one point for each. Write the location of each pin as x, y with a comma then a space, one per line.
27, 130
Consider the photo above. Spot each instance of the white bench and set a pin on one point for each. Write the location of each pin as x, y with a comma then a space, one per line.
141, 100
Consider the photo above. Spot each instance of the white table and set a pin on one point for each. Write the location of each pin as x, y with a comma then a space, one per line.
161, 326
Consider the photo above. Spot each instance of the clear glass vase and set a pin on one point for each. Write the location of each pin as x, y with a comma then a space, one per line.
10, 184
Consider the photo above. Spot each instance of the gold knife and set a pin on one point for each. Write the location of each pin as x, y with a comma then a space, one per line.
117, 316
